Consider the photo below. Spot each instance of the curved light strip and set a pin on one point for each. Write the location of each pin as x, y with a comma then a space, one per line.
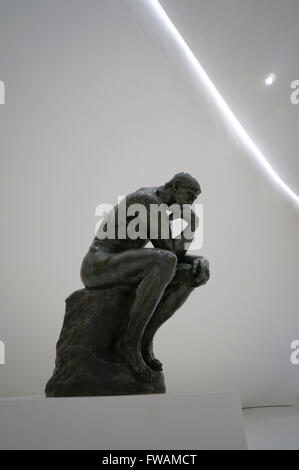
224, 108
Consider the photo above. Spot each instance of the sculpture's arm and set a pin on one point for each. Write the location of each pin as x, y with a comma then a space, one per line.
175, 246
194, 261
187, 234
160, 227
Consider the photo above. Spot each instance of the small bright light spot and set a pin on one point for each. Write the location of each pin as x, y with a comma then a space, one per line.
270, 79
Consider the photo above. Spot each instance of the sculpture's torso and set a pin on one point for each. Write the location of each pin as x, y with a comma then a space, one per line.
121, 241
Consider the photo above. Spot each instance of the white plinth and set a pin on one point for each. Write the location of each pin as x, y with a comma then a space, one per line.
148, 422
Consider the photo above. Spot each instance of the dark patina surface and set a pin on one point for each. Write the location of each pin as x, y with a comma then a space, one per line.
106, 343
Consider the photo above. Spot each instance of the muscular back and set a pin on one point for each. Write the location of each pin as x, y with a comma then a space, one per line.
120, 220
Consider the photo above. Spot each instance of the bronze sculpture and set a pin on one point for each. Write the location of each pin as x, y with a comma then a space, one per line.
106, 343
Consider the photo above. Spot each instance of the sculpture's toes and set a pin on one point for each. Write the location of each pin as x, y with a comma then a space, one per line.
140, 368
152, 362
146, 373
155, 364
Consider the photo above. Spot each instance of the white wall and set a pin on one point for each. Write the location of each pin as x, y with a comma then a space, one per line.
99, 102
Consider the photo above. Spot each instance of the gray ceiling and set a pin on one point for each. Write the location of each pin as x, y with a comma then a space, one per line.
239, 43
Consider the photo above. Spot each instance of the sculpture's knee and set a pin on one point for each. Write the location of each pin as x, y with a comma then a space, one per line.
87, 272
205, 270
83, 271
204, 273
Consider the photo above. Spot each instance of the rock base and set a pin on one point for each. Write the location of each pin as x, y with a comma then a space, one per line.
86, 361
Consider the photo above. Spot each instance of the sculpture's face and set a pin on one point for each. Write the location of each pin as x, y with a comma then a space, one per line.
185, 194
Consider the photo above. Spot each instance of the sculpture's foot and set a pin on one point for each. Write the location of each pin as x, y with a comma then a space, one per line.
141, 369
151, 361
136, 364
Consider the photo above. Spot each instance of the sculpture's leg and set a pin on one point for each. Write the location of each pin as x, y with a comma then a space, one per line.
175, 295
148, 294
151, 270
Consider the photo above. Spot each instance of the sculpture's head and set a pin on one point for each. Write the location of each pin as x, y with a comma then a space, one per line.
182, 189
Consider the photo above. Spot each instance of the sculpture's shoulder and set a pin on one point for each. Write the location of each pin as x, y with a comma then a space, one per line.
145, 196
